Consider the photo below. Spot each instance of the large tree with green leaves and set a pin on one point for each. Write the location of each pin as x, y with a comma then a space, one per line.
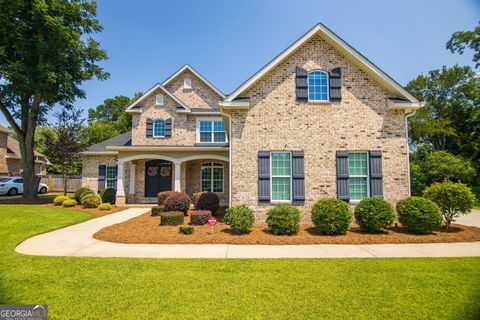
466, 39
45, 55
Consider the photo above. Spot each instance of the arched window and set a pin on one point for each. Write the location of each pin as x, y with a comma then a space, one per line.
159, 128
212, 177
318, 86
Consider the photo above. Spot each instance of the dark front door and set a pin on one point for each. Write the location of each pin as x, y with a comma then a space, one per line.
158, 177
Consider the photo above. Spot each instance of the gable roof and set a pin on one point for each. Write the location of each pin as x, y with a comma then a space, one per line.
198, 75
4, 129
13, 148
124, 139
338, 43
134, 108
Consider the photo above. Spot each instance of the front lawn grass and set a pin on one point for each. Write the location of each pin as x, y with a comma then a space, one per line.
125, 288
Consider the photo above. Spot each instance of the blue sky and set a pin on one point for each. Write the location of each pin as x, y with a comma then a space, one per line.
227, 41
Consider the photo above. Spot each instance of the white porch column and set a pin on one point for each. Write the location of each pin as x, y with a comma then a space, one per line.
131, 188
178, 175
120, 187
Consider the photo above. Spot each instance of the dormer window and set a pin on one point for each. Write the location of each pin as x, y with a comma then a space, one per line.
187, 83
318, 86
159, 99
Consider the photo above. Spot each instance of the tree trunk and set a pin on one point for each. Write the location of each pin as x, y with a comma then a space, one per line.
30, 179
64, 184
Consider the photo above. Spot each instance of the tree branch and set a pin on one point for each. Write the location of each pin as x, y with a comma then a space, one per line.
10, 119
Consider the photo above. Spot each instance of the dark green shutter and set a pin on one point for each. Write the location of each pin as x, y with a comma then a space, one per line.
301, 83
376, 176
102, 172
149, 128
298, 177
168, 127
264, 176
336, 84
342, 176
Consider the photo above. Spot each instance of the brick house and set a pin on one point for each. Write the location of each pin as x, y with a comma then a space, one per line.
319, 120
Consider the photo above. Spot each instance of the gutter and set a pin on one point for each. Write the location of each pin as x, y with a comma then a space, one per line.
408, 115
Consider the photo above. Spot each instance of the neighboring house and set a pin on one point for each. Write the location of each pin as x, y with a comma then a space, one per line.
319, 120
10, 158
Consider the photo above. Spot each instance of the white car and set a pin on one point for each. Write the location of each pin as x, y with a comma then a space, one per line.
14, 185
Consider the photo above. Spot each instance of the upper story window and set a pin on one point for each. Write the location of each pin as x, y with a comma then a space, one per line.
159, 128
187, 83
211, 130
159, 99
358, 175
318, 86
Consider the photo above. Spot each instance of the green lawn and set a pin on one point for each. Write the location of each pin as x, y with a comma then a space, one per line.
235, 289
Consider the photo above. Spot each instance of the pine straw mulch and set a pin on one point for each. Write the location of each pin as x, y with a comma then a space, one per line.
97, 212
146, 229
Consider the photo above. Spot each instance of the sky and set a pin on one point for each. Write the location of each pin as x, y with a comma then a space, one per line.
228, 41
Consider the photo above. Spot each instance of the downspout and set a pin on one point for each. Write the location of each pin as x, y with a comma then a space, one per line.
408, 115
229, 156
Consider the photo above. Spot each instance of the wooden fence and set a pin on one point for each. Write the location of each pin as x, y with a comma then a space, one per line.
55, 183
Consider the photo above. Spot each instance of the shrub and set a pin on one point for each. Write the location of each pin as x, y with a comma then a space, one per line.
418, 214
372, 214
162, 196
418, 179
171, 218
186, 230
91, 200
81, 192
283, 219
196, 196
199, 217
59, 200
454, 199
441, 165
156, 211
331, 216
177, 201
108, 195
240, 218
69, 203
105, 206
208, 201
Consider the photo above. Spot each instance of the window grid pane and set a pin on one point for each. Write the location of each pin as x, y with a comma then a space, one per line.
111, 177
159, 128
317, 85
358, 188
281, 169
357, 164
280, 188
281, 164
212, 177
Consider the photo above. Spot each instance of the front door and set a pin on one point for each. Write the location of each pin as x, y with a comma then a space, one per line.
158, 177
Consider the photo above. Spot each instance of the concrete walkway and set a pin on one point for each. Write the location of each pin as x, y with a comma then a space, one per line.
77, 241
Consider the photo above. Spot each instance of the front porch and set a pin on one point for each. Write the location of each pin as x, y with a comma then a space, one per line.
141, 176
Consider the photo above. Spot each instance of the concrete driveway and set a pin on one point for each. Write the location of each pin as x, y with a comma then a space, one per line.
472, 219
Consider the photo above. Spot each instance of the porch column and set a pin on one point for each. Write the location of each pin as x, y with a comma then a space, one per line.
120, 187
178, 175
131, 188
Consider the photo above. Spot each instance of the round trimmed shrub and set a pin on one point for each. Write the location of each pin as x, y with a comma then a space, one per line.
331, 216
109, 195
283, 219
208, 201
186, 230
162, 196
418, 214
91, 200
240, 218
373, 214
58, 201
69, 203
177, 201
199, 217
105, 206
196, 196
81, 192
171, 218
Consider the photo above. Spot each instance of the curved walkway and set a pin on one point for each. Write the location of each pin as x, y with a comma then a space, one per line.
77, 241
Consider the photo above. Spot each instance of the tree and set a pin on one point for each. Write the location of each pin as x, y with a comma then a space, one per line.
97, 132
463, 39
442, 165
45, 55
417, 179
64, 148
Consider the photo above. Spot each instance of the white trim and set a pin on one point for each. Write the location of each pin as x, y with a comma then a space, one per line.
212, 120
328, 34
99, 153
198, 75
408, 115
235, 104
392, 104
131, 185
149, 92
212, 179
271, 178
174, 160
328, 86
154, 148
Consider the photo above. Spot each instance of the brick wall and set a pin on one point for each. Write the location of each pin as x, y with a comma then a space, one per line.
90, 169
193, 177
3, 153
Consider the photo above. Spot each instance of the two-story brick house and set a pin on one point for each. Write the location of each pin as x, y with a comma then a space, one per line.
319, 120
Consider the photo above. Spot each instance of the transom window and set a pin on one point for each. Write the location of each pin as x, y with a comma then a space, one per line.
111, 177
159, 128
211, 131
281, 165
212, 177
318, 86
358, 175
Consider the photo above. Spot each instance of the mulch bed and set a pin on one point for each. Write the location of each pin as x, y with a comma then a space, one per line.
146, 229
97, 212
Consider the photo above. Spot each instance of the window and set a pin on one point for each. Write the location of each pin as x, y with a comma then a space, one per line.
187, 83
159, 128
211, 131
159, 99
212, 177
318, 86
18, 181
111, 178
358, 175
281, 176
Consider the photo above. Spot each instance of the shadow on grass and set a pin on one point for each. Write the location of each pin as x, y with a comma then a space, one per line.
40, 200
